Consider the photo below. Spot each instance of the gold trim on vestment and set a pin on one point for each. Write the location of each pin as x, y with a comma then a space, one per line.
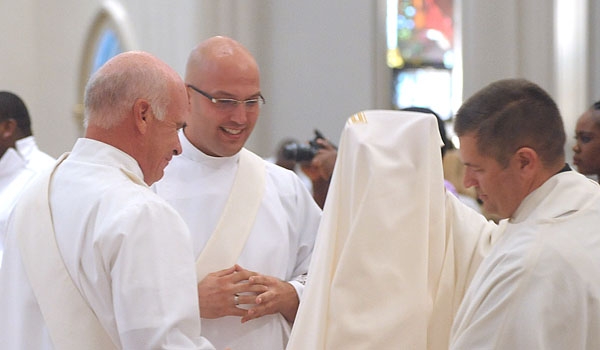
358, 118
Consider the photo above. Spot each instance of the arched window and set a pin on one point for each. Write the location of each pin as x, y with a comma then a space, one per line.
110, 34
420, 51
108, 46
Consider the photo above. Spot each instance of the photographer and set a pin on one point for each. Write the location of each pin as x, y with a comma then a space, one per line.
316, 160
320, 169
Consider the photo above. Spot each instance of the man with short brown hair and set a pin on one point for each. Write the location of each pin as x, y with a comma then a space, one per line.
538, 288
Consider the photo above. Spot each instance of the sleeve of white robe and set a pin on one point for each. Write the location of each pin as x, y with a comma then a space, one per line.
153, 283
384, 261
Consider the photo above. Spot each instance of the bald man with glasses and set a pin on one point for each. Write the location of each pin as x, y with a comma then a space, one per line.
253, 223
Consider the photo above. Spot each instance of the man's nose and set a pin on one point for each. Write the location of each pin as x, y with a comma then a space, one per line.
468, 179
239, 114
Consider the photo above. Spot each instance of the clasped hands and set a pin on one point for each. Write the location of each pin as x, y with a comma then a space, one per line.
258, 295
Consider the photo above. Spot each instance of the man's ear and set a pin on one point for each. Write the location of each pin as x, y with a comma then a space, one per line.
528, 160
141, 114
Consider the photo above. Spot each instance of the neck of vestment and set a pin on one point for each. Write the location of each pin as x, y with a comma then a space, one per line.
551, 199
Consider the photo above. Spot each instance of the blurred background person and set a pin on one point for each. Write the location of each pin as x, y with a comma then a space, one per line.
16, 132
20, 157
319, 169
587, 146
289, 163
312, 161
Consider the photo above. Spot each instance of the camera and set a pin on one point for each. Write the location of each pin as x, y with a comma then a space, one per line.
300, 152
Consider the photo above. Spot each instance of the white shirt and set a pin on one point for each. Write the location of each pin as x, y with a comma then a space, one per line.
540, 287
126, 250
17, 167
279, 245
14, 175
36, 159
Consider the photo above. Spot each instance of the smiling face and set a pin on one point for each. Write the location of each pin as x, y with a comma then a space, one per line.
223, 72
500, 189
587, 147
163, 140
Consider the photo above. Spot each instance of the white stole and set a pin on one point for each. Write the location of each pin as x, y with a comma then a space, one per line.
233, 228
71, 323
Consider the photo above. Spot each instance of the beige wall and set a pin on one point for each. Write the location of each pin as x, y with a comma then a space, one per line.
321, 60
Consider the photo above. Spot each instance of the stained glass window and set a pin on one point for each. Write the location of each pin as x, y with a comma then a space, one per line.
420, 47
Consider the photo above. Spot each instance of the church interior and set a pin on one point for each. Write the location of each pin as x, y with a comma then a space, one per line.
320, 61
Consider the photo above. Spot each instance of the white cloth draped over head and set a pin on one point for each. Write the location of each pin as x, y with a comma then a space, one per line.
394, 253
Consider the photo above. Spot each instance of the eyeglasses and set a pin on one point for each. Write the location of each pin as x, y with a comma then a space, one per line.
228, 104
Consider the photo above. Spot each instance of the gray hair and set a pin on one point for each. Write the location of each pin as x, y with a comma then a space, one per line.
112, 90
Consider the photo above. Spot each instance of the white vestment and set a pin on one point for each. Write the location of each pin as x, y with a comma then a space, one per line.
17, 167
14, 176
394, 253
36, 159
127, 251
280, 243
539, 288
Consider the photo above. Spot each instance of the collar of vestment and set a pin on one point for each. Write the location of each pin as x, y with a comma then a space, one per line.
26, 146
191, 152
565, 168
559, 195
97, 152
11, 162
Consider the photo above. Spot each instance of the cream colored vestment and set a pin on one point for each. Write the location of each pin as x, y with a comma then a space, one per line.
235, 224
71, 323
394, 253
539, 287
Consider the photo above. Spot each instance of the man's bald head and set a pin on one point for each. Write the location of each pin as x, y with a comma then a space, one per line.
137, 103
217, 51
113, 89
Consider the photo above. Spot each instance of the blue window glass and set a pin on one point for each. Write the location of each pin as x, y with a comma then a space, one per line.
108, 46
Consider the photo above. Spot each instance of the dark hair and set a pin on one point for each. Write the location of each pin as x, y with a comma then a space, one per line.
594, 111
12, 107
513, 113
441, 126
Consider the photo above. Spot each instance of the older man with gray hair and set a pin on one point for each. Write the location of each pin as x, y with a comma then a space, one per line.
106, 263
